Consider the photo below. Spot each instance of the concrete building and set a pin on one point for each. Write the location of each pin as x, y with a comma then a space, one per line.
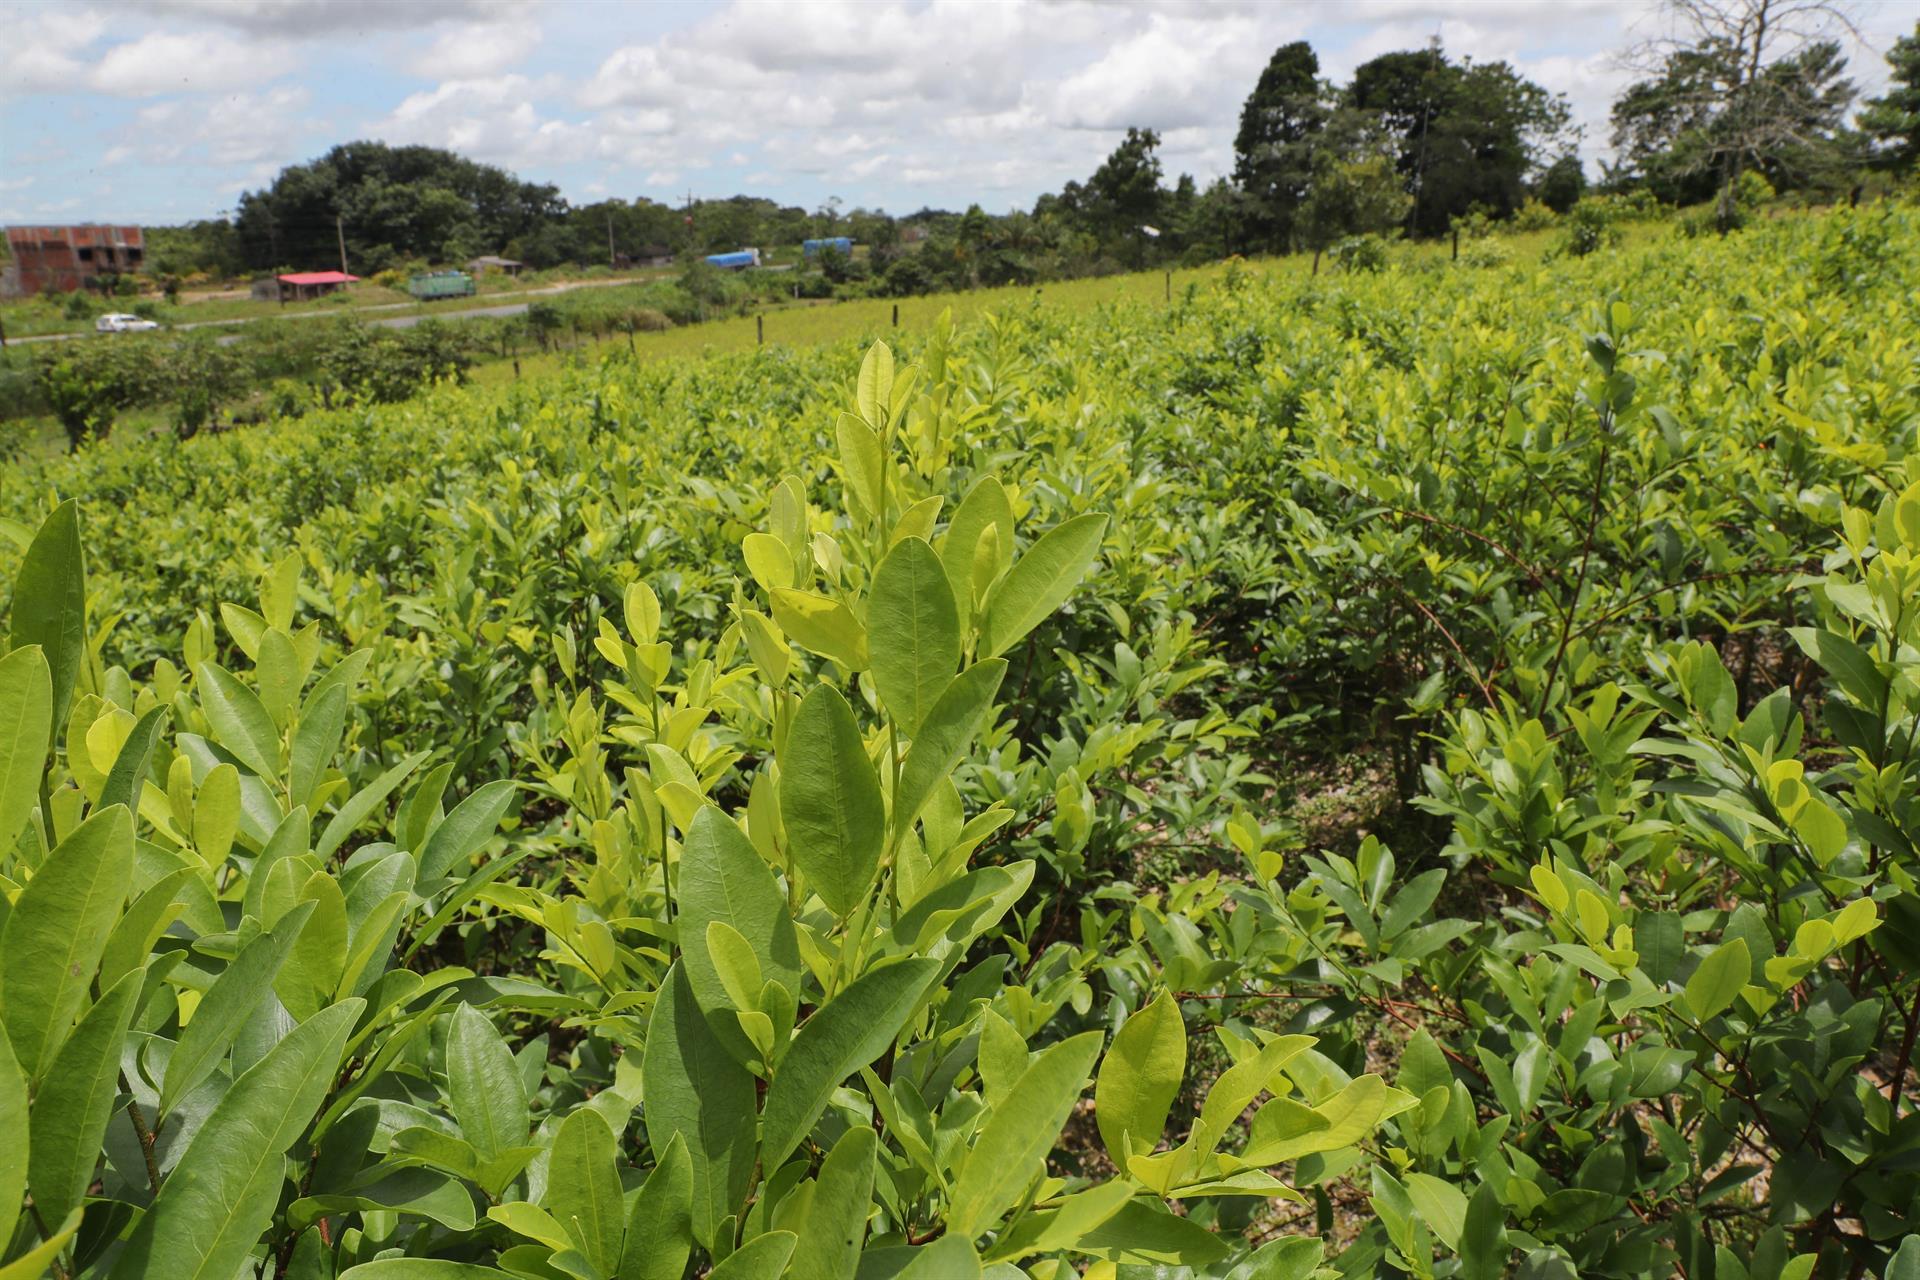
63, 259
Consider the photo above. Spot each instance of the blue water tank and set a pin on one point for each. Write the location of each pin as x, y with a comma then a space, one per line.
735, 261
840, 244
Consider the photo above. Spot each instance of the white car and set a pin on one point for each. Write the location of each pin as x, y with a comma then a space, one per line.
120, 322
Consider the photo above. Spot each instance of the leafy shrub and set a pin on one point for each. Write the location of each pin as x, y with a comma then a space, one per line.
1857, 248
812, 284
83, 399
194, 411
288, 399
907, 276
1697, 222
1475, 224
1359, 254
1485, 254
1588, 227
1753, 191
604, 703
381, 366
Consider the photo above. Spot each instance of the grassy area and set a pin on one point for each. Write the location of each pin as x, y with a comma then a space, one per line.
810, 323
43, 316
814, 324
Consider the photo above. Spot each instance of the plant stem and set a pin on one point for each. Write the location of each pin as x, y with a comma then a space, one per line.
147, 1136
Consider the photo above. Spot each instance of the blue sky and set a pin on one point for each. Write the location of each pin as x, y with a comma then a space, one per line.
163, 110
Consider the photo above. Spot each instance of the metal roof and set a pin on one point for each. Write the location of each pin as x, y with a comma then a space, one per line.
80, 237
318, 277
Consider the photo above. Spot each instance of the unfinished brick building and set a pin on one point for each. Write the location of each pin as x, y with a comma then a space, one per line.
62, 259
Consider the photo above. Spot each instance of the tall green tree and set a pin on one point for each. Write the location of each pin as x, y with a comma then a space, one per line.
1892, 120
1465, 134
1356, 187
388, 204
1124, 193
1564, 182
1273, 150
1738, 85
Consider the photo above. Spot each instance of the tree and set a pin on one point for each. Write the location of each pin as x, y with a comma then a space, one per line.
1564, 182
1354, 194
1273, 151
1124, 192
390, 204
1739, 84
1892, 120
1214, 225
972, 237
1464, 134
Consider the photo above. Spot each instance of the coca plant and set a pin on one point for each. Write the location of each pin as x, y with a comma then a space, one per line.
801, 1040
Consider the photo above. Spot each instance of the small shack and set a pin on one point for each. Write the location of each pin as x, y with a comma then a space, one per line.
505, 266
303, 286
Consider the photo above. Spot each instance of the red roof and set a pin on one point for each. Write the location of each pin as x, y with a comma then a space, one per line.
319, 277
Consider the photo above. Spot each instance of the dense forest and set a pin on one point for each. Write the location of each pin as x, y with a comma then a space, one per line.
1414, 142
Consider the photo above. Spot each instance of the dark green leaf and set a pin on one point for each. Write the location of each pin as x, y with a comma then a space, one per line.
484, 1091
50, 604
1039, 582
71, 1112
583, 1188
844, 1035
696, 1091
945, 735
830, 801
460, 835
837, 1225
659, 1236
218, 1201
26, 726
56, 932
723, 878
913, 632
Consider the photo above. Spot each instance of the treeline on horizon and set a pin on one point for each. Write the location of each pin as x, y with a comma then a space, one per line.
1414, 142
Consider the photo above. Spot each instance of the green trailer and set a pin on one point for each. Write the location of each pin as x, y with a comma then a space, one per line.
441, 284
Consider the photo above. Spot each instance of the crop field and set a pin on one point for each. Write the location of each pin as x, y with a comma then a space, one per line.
1406, 773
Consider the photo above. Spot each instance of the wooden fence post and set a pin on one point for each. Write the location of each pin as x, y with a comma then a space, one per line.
760, 330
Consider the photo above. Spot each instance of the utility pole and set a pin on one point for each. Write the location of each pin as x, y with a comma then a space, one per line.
340, 231
610, 255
